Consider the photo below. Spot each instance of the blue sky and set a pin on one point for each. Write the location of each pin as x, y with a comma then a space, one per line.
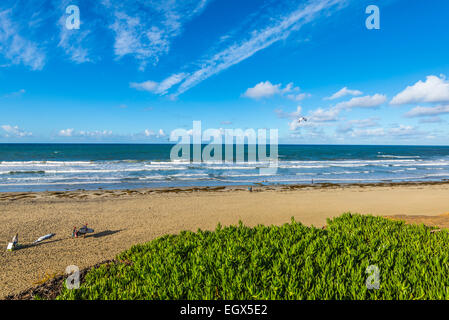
136, 70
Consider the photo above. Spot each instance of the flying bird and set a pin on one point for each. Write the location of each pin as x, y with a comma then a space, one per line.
302, 119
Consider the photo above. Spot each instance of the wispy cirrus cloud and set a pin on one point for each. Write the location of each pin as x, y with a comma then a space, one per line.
25, 24
141, 29
344, 92
159, 87
263, 35
15, 48
145, 29
76, 43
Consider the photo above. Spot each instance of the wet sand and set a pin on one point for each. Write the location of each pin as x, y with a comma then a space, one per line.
125, 217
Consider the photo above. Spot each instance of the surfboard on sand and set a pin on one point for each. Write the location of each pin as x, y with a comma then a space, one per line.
47, 236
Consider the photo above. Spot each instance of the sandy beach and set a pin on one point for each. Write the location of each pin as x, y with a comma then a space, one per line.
125, 217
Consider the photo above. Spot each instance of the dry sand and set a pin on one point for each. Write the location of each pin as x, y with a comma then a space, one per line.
124, 218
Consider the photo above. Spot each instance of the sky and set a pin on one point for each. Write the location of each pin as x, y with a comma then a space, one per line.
134, 71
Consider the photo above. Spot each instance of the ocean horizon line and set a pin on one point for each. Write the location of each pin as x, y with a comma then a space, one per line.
174, 143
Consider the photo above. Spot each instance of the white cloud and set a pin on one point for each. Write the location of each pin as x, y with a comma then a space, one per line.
292, 93
104, 133
88, 134
363, 102
344, 92
322, 115
267, 89
161, 133
262, 90
156, 87
149, 85
15, 131
66, 132
108, 134
151, 133
17, 49
427, 111
433, 90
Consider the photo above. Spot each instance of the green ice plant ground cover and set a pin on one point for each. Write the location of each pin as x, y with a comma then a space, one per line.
291, 261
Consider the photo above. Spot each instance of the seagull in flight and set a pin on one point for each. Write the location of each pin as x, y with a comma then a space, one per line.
302, 119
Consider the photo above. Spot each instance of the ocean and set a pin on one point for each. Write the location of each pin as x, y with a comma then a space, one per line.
40, 167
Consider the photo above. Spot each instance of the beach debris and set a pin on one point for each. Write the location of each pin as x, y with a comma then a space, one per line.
81, 231
47, 236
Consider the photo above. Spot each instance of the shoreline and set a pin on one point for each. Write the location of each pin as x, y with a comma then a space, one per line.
256, 187
122, 218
